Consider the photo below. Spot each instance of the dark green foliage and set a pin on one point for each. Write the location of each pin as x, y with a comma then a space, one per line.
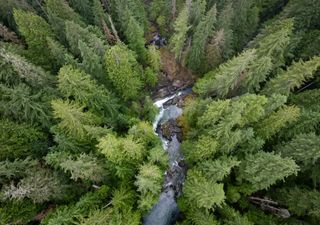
72, 213
227, 77
202, 32
231, 216
60, 54
36, 39
17, 212
264, 169
294, 77
74, 83
27, 72
77, 145
297, 147
181, 28
21, 140
83, 166
307, 99
75, 33
21, 104
203, 193
6, 11
300, 201
15, 169
245, 22
159, 11
83, 7
58, 13
74, 122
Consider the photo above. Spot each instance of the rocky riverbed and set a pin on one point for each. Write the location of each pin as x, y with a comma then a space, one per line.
166, 211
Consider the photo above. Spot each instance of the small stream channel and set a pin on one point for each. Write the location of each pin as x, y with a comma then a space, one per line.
166, 211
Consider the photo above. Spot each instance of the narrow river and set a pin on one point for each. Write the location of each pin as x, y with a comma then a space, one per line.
166, 211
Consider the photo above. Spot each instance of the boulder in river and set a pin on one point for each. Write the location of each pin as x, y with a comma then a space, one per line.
170, 129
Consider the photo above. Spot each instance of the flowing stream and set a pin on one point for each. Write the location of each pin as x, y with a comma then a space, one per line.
166, 211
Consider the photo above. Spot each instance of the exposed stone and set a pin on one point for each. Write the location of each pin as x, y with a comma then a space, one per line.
170, 129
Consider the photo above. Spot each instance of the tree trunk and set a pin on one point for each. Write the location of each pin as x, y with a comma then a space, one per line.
174, 9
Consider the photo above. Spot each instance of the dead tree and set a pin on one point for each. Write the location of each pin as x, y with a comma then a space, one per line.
270, 206
8, 35
110, 37
174, 9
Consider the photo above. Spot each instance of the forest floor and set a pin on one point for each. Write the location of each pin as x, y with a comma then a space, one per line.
173, 75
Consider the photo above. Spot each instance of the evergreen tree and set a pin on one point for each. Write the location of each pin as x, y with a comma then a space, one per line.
307, 99
217, 169
60, 54
224, 23
273, 41
154, 59
294, 77
296, 149
202, 32
197, 11
73, 120
99, 15
258, 71
220, 46
16, 211
245, 22
123, 71
40, 185
83, 7
135, 37
34, 76
231, 216
83, 166
181, 28
300, 201
204, 148
58, 13
92, 62
21, 140
149, 179
263, 169
72, 213
7, 8
21, 104
227, 77
124, 153
143, 132
203, 193
36, 39
74, 83
15, 169
274, 122
75, 33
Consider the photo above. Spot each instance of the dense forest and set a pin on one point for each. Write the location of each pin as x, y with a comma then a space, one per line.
78, 82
